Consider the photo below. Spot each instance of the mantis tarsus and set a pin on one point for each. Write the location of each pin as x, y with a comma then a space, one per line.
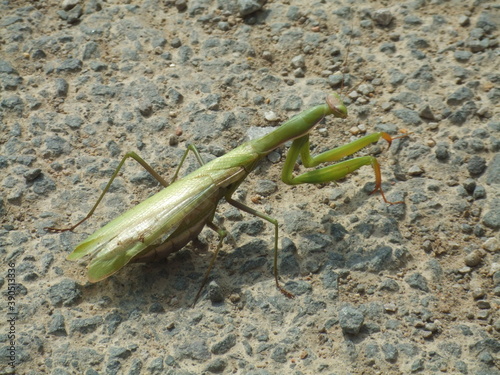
167, 221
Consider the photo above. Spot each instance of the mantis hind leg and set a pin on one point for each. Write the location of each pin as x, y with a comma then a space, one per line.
132, 155
336, 171
222, 234
146, 166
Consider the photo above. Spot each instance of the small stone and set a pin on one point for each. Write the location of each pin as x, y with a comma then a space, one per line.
476, 165
465, 270
483, 305
415, 170
418, 365
432, 327
417, 281
462, 56
85, 325
491, 244
215, 293
173, 140
69, 4
491, 218
274, 157
427, 334
478, 293
119, 352
383, 17
62, 87
181, 5
175, 43
474, 258
70, 66
32, 174
246, 7
266, 55
389, 285
224, 26
483, 314
65, 293
354, 130
459, 96
225, 345
390, 307
442, 152
336, 80
299, 62
266, 187
351, 320
425, 111
271, 116
217, 366
469, 185
299, 73
56, 326
479, 192
463, 21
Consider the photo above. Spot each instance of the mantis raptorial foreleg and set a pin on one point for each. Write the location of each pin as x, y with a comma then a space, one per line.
132, 155
336, 171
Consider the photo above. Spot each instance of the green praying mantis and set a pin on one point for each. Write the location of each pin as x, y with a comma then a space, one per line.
168, 220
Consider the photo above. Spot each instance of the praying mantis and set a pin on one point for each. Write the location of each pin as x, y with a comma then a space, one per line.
168, 220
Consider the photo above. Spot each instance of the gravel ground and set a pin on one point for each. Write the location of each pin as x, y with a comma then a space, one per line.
380, 289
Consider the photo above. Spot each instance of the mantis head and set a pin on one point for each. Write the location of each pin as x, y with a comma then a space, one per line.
336, 105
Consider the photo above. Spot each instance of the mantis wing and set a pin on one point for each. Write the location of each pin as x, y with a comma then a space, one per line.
146, 224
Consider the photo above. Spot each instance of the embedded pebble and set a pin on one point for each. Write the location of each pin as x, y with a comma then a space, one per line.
474, 258
383, 17
415, 170
350, 320
271, 116
299, 62
215, 292
492, 245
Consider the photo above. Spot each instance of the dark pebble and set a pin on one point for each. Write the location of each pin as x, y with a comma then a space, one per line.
476, 165
215, 293
70, 66
491, 218
85, 325
417, 281
460, 96
56, 326
225, 345
217, 366
350, 320
65, 293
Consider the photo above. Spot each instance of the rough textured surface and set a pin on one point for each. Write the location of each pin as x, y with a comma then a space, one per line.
407, 288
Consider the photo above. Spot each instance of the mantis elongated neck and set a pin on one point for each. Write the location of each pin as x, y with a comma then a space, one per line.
300, 125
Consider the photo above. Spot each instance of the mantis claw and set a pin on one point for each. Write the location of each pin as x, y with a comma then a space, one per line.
285, 292
379, 189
